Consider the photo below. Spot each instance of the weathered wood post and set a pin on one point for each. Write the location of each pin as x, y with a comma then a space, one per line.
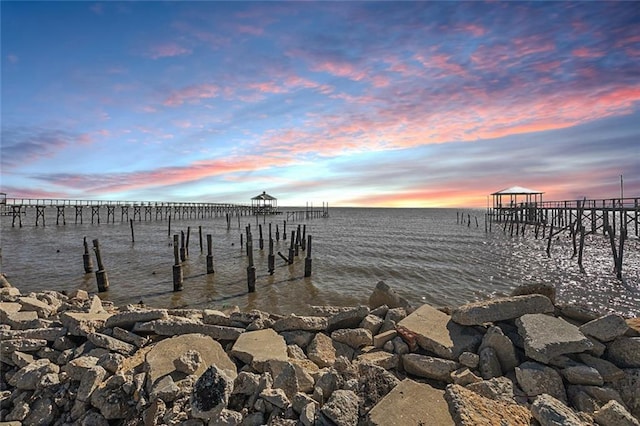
549, 242
186, 244
101, 275
307, 260
86, 257
271, 259
251, 269
303, 241
133, 238
277, 233
284, 231
623, 236
581, 249
209, 256
291, 250
183, 250
297, 245
177, 266
241, 240
260, 240
169, 231
200, 237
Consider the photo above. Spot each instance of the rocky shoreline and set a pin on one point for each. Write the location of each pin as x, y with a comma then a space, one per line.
518, 360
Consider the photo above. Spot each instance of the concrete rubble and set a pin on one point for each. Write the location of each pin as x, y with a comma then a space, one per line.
72, 359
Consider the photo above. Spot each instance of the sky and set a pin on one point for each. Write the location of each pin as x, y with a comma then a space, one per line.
381, 104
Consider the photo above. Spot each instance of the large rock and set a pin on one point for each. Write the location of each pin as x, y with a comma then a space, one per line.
303, 323
501, 309
347, 319
32, 304
161, 358
411, 403
373, 384
614, 414
211, 393
550, 412
505, 350
432, 330
385, 295
582, 375
110, 343
624, 352
324, 351
628, 388
429, 367
537, 379
471, 409
111, 399
605, 328
608, 370
353, 337
81, 324
546, 337
29, 376
257, 347
342, 408
128, 318
175, 326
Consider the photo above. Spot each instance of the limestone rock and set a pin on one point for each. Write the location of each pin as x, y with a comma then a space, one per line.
470, 409
628, 388
277, 397
188, 362
298, 337
78, 366
214, 317
432, 330
429, 367
110, 343
129, 337
372, 323
29, 376
582, 375
385, 295
373, 384
546, 337
498, 388
503, 347
607, 370
605, 328
304, 323
463, 377
211, 393
379, 340
549, 411
81, 324
128, 318
469, 359
347, 319
32, 304
342, 408
175, 326
380, 358
489, 365
537, 379
624, 352
160, 360
111, 399
614, 414
500, 309
323, 351
90, 381
22, 345
353, 337
544, 289
257, 347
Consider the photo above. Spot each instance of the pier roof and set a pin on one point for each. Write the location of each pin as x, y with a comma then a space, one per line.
514, 190
264, 196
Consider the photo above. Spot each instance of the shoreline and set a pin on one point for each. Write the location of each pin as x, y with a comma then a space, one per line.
75, 359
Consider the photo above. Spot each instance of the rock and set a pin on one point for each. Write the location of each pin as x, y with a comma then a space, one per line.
582, 314
607, 370
127, 319
582, 375
372, 323
323, 351
399, 346
545, 289
379, 340
385, 295
300, 401
22, 345
624, 352
297, 337
111, 361
29, 376
342, 408
42, 412
505, 350
537, 379
214, 317
605, 328
463, 377
129, 337
50, 333
396, 315
598, 347
32, 304
549, 411
614, 414
308, 414
353, 337
470, 409
78, 294
188, 362
160, 360
546, 337
177, 326
78, 366
498, 388
225, 418
111, 399
469, 359
373, 384
290, 377
21, 320
211, 393
429, 367
164, 388
303, 323
432, 330
499, 309
380, 358
81, 324
628, 388
489, 365
277, 397
91, 379
257, 347
110, 343
347, 319
246, 383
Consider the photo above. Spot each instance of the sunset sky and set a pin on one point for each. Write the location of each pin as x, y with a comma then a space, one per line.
409, 104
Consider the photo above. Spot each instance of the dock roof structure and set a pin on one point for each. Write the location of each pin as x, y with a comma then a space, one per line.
264, 204
516, 195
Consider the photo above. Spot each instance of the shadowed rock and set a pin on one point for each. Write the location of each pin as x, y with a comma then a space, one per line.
501, 309
210, 393
546, 337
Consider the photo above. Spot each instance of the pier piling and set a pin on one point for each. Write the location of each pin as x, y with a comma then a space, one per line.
307, 260
177, 265
101, 275
86, 257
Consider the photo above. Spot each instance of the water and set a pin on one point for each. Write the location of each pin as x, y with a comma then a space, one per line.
422, 253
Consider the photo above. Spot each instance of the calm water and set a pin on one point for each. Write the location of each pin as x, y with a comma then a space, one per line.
422, 253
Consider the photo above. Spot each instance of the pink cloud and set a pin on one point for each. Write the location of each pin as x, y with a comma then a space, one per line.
475, 29
167, 50
249, 29
340, 69
192, 94
584, 52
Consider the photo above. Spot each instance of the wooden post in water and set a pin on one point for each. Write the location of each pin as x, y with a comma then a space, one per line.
177, 266
209, 256
200, 237
307, 260
580, 251
260, 240
251, 269
133, 238
291, 251
169, 231
303, 241
101, 275
549, 243
186, 245
284, 231
271, 259
297, 245
623, 236
609, 231
277, 233
183, 250
86, 257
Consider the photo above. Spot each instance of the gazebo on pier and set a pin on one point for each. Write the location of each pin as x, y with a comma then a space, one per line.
516, 200
263, 204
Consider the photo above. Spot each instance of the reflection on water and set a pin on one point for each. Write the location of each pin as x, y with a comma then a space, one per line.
422, 253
